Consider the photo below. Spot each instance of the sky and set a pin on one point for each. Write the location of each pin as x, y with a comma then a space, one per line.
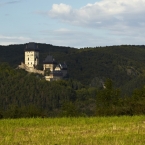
73, 23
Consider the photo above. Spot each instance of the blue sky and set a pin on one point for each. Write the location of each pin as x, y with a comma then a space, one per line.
84, 23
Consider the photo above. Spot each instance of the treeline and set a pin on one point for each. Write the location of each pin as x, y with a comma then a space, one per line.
25, 94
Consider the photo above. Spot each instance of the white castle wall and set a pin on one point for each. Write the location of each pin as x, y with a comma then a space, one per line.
31, 58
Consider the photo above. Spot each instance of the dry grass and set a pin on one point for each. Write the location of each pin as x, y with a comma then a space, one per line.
73, 131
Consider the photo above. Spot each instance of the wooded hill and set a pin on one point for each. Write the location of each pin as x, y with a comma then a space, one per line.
125, 64
28, 95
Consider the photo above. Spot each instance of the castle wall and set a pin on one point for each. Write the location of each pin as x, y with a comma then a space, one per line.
31, 58
57, 69
48, 66
30, 69
52, 78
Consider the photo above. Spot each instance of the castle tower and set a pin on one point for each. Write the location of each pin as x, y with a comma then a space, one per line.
49, 63
31, 55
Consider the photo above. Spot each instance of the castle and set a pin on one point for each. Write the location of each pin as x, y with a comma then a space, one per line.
51, 69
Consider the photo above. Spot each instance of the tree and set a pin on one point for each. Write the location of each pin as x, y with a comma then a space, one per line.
107, 98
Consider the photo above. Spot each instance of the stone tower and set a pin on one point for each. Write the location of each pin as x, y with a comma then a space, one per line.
49, 63
31, 55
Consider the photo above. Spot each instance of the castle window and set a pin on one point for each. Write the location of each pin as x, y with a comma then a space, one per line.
28, 58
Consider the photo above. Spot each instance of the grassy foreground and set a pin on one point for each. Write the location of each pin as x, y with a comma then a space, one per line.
73, 131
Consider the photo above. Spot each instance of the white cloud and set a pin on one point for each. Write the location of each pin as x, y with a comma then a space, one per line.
121, 21
60, 9
105, 14
5, 40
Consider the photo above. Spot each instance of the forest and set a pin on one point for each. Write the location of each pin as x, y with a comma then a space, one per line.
102, 81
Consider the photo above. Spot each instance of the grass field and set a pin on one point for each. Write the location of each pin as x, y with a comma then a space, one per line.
73, 131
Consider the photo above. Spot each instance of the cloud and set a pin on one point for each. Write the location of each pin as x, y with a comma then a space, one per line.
60, 9
5, 40
9, 2
73, 38
13, 38
82, 38
113, 15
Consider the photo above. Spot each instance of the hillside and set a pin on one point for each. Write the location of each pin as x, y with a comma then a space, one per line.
125, 64
29, 95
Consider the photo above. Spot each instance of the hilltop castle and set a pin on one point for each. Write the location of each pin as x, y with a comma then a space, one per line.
51, 69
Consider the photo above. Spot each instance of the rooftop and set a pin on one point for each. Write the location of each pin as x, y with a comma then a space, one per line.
49, 60
63, 66
31, 46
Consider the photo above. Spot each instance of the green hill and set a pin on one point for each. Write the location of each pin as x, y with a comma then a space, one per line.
28, 95
125, 64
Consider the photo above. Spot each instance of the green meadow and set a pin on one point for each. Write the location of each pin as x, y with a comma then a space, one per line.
125, 130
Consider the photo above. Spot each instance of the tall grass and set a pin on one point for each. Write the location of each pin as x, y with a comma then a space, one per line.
73, 131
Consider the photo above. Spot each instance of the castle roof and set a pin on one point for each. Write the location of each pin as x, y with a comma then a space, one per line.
49, 60
63, 66
31, 46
